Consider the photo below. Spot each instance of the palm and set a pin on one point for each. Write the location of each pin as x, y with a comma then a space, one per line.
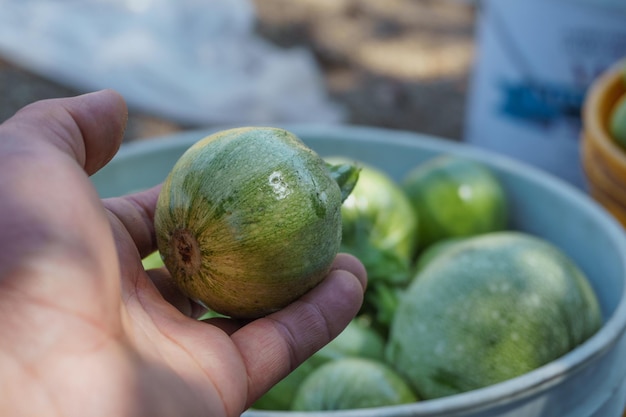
168, 340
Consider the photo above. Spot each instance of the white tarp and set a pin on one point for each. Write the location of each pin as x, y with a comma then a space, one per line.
193, 61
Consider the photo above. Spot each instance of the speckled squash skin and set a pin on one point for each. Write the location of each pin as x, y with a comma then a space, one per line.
487, 309
248, 220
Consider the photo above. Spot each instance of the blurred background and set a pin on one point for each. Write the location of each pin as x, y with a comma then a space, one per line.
399, 63
509, 75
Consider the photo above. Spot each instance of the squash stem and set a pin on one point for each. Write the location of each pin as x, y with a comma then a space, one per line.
346, 176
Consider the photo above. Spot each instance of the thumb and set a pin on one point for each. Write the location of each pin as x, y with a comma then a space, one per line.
89, 128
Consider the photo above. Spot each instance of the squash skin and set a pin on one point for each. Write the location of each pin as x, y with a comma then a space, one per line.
248, 220
455, 197
470, 321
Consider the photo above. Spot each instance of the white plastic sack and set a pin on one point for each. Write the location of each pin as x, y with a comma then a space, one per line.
193, 61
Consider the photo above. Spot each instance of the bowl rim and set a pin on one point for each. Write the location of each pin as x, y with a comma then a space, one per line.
612, 206
515, 389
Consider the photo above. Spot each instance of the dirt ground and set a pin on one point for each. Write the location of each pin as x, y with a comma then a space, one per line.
400, 64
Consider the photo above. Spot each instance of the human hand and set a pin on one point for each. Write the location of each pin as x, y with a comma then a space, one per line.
85, 331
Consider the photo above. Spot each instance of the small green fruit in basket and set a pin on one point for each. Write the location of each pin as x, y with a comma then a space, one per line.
617, 121
249, 219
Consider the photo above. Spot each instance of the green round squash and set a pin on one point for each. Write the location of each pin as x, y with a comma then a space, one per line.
455, 197
358, 339
379, 225
352, 383
249, 219
488, 309
380, 228
433, 251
